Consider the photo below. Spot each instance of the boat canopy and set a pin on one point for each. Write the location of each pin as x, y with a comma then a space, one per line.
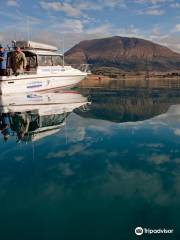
35, 45
42, 52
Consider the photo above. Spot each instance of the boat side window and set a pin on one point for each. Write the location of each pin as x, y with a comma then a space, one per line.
44, 60
57, 60
31, 60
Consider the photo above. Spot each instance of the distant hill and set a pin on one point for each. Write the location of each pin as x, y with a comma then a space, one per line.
126, 54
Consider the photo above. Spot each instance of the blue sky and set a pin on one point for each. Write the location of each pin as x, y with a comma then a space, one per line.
49, 21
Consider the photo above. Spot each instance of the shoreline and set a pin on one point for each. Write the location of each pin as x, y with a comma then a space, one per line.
104, 82
159, 76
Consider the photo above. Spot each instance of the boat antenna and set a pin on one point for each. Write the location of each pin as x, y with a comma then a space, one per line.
15, 36
63, 49
28, 29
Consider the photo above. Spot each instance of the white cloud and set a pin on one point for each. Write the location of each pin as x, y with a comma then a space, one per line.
89, 6
154, 2
152, 11
12, 3
69, 25
177, 28
33, 20
172, 41
102, 29
20, 32
11, 15
70, 9
108, 29
156, 35
156, 30
113, 3
79, 9
175, 5
73, 25
67, 8
130, 31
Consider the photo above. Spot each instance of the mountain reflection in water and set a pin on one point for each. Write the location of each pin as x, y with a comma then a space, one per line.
129, 101
113, 166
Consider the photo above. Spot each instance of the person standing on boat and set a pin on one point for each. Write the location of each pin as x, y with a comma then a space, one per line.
3, 61
18, 61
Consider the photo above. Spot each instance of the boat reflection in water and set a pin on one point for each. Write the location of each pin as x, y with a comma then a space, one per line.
33, 116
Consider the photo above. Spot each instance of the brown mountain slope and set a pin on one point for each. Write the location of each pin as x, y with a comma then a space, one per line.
129, 54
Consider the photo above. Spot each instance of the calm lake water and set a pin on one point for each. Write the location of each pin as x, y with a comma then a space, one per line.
70, 169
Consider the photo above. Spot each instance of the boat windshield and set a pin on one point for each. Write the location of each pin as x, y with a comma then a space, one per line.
48, 60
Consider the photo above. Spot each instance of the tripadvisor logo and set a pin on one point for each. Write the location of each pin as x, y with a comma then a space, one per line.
139, 231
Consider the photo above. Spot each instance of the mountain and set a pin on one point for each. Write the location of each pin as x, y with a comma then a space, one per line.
127, 54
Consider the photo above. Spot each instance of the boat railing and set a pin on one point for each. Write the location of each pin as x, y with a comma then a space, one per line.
82, 67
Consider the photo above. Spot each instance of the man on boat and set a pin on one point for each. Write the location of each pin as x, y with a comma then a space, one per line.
3, 60
18, 61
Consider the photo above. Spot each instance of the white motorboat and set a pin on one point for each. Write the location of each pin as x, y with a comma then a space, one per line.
45, 70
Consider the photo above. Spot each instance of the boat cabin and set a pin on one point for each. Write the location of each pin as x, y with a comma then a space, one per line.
37, 55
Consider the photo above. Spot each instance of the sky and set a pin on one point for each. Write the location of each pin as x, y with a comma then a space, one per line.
52, 21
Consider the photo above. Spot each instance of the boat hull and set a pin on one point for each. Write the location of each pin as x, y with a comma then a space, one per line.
23, 83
